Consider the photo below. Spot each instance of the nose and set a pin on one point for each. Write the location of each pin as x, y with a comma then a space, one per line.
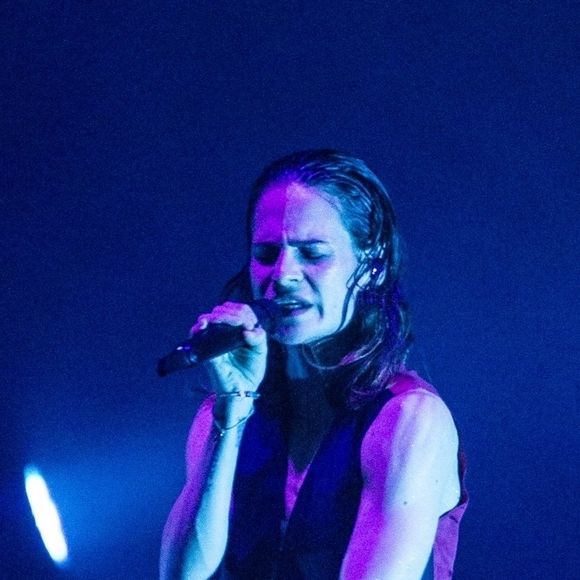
287, 270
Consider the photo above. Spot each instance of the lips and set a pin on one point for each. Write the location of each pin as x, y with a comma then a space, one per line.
292, 306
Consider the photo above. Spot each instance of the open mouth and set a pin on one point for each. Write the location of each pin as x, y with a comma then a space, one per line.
292, 306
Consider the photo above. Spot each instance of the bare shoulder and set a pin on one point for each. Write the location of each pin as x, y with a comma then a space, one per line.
414, 413
411, 447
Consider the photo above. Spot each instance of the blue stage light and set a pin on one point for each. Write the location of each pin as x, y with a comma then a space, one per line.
45, 515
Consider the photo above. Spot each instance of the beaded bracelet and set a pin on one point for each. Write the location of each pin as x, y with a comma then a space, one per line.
247, 394
221, 431
231, 394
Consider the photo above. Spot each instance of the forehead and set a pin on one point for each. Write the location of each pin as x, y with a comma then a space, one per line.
290, 210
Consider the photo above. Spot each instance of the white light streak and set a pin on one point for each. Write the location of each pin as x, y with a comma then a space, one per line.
45, 515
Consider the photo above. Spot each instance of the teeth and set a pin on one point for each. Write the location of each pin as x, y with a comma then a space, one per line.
292, 305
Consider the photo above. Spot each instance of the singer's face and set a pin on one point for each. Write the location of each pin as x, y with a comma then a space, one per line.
303, 257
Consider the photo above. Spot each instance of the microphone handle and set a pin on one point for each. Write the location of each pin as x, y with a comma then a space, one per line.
212, 341
217, 339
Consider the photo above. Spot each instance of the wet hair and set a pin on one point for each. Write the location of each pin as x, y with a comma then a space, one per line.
376, 342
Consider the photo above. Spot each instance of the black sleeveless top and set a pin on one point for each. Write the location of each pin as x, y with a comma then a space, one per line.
313, 542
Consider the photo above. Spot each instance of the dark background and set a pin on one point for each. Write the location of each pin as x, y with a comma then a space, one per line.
130, 133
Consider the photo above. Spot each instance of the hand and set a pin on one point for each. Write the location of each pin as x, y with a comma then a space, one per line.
244, 368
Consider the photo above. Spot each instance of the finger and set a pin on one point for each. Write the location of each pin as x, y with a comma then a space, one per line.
201, 323
236, 313
233, 314
255, 337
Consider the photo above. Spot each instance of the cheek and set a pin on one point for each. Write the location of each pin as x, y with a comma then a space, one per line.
258, 277
339, 287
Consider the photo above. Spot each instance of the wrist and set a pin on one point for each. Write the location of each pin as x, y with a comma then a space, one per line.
233, 407
232, 417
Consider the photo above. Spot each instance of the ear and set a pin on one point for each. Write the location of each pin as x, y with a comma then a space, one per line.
374, 271
377, 269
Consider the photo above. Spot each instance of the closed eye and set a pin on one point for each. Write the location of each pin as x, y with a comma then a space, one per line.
311, 251
312, 254
266, 254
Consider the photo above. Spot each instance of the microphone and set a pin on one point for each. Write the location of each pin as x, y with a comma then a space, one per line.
217, 339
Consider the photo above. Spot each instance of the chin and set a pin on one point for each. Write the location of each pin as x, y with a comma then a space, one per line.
294, 336
291, 338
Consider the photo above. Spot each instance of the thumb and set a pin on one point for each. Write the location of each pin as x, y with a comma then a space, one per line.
256, 338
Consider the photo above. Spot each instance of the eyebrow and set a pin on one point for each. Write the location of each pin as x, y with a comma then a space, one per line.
293, 243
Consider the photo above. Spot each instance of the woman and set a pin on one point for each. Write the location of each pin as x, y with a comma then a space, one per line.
347, 465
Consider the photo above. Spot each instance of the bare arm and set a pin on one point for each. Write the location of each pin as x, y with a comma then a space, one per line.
409, 466
196, 532
195, 535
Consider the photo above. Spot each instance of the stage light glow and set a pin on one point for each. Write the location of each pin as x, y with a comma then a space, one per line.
45, 515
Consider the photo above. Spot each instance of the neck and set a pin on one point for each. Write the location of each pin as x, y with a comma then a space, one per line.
298, 367
307, 386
